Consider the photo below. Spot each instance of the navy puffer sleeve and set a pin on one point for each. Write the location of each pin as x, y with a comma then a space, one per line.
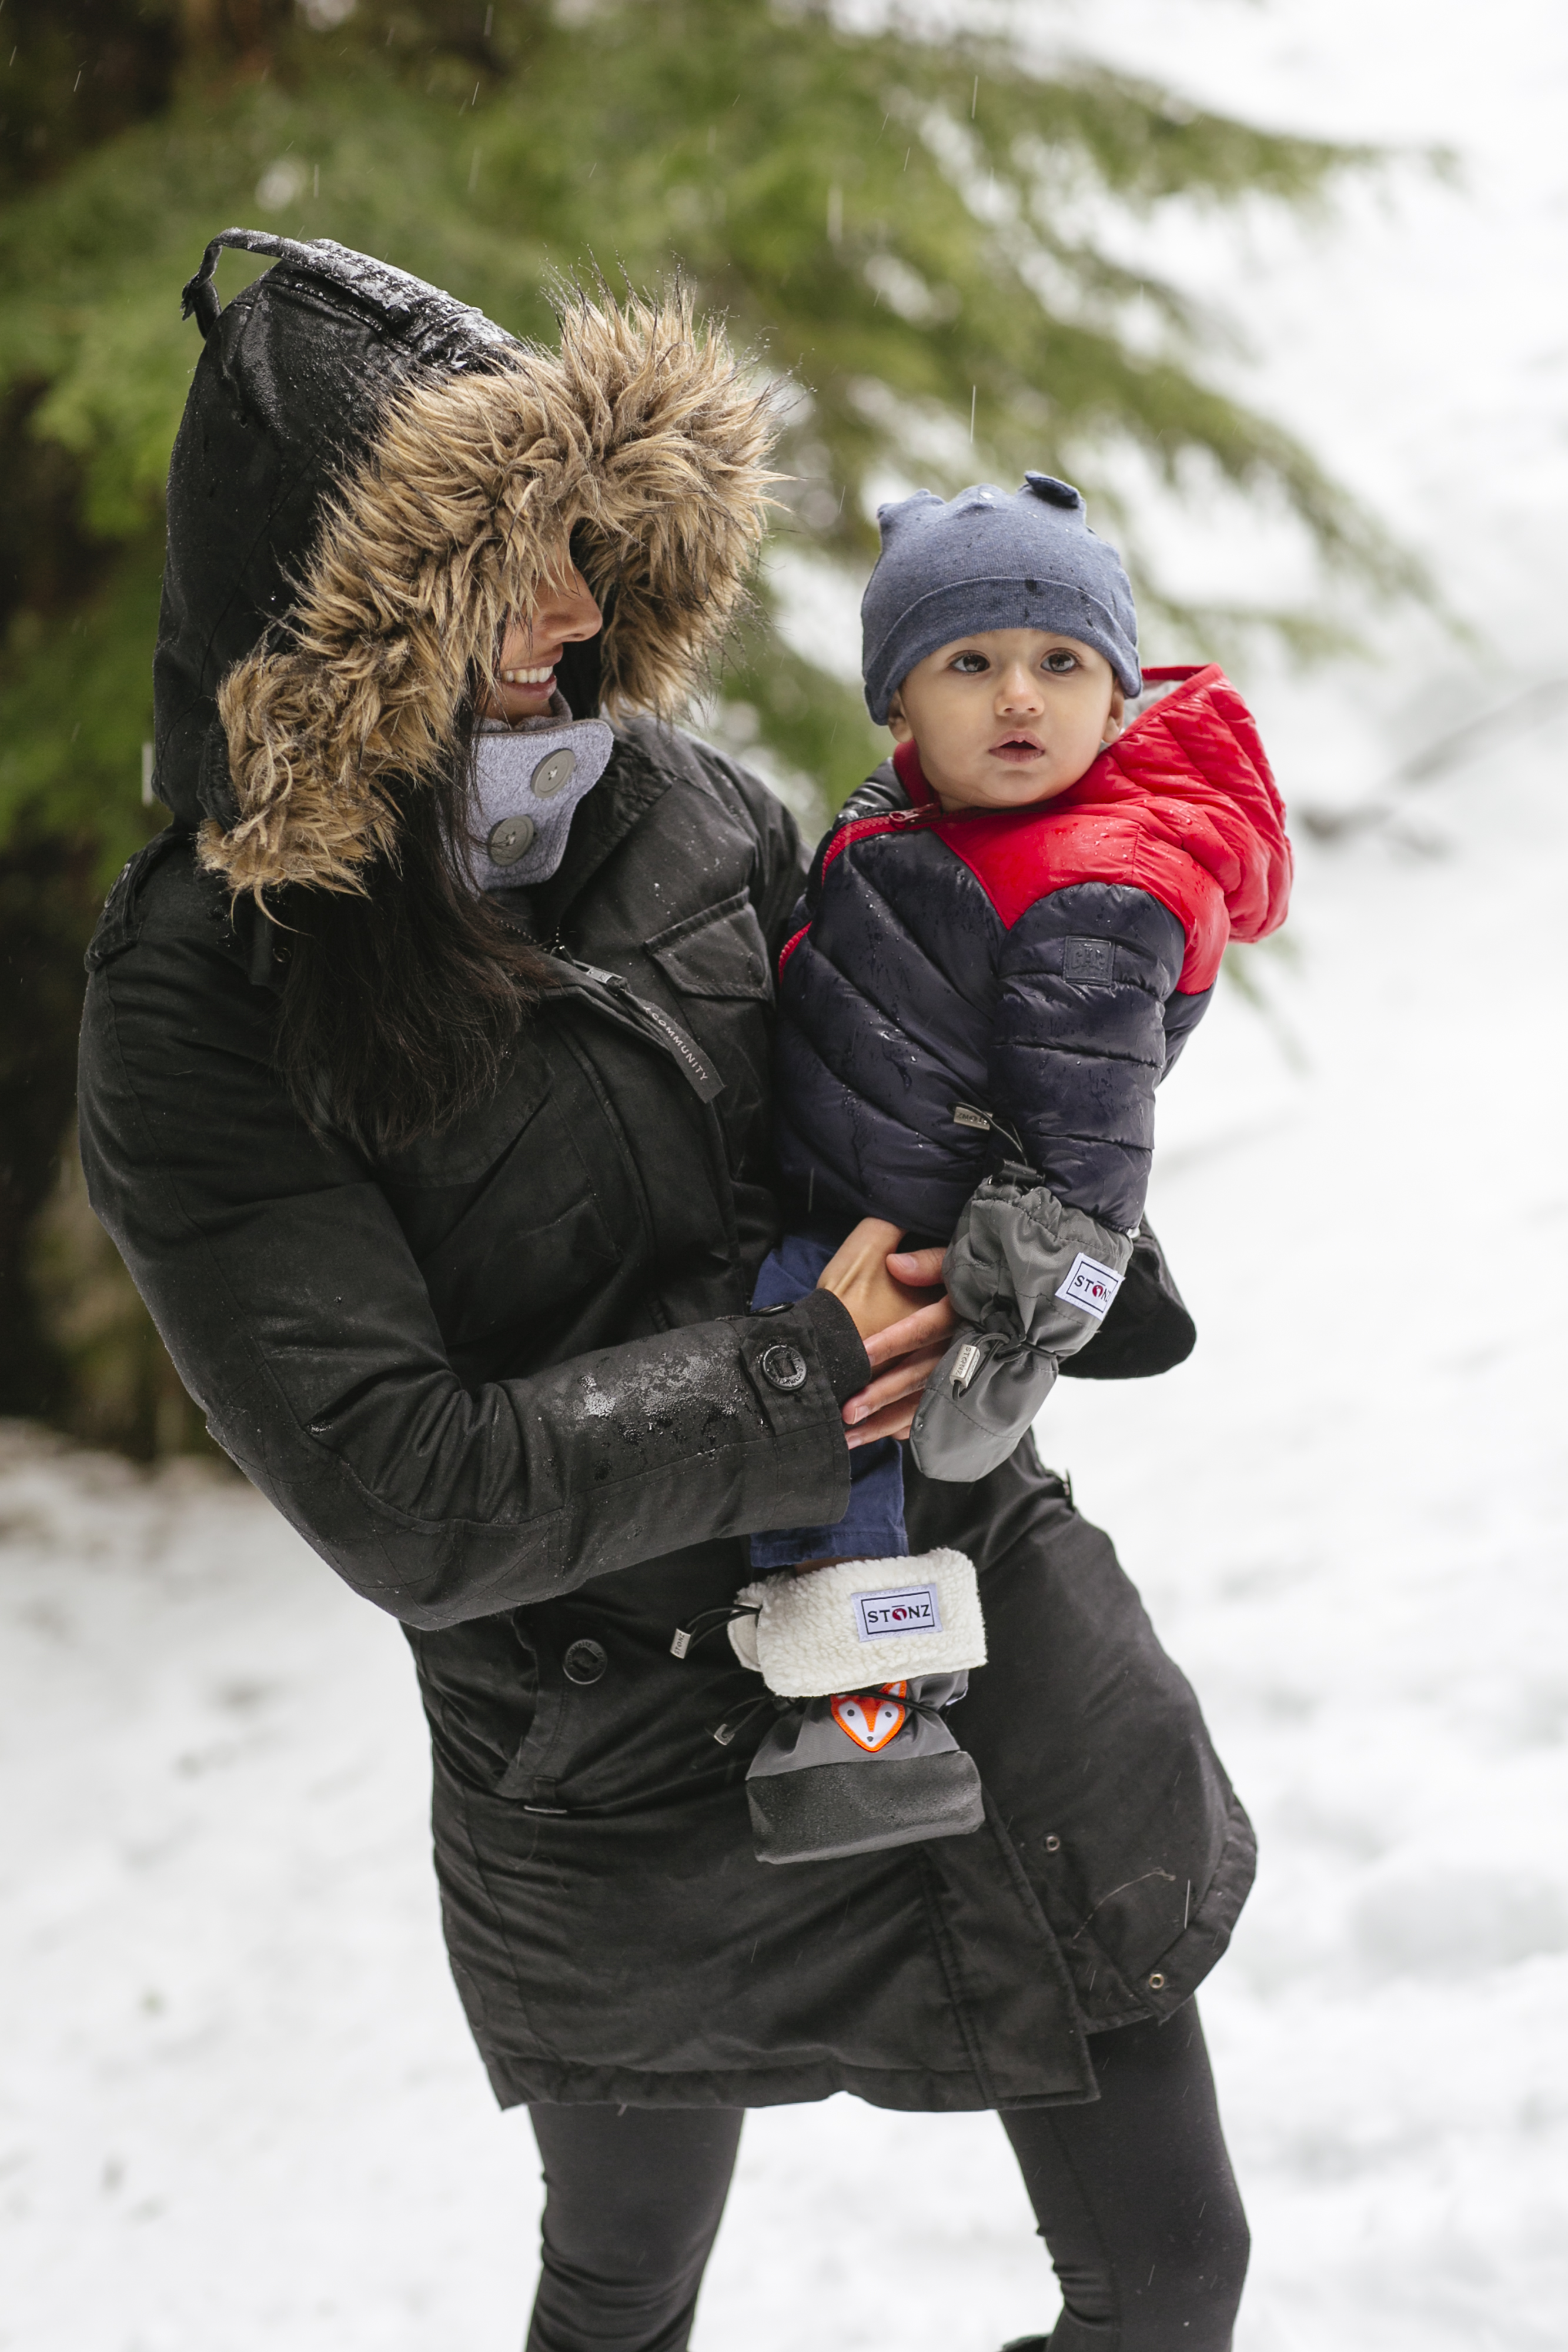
1079, 1042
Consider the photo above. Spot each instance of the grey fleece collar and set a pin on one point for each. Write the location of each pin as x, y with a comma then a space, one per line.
527, 782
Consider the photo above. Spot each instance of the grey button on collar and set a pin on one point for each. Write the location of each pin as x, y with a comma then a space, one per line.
553, 773
512, 839
784, 1367
529, 781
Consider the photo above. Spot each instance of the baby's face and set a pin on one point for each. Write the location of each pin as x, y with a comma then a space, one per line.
1008, 717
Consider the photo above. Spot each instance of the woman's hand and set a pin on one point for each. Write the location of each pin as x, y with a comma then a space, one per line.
858, 1274
904, 1352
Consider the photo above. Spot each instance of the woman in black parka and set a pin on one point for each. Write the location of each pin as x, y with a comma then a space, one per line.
449, 1204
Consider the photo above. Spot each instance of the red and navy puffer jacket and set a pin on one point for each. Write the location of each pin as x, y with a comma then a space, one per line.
1043, 966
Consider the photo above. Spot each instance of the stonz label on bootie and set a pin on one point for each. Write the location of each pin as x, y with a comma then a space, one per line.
908, 1609
1091, 1286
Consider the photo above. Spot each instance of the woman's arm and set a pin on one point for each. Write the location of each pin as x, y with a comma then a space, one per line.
300, 1321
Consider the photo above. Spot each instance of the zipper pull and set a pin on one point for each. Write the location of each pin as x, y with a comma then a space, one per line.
971, 1115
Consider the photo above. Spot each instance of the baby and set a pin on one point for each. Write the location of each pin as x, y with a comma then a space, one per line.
1004, 942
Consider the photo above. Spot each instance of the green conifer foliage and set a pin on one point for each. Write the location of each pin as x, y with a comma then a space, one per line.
903, 224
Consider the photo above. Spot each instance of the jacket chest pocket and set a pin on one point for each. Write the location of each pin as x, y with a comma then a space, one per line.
717, 963
717, 956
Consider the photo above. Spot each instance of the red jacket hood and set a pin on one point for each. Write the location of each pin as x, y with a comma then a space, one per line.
1183, 805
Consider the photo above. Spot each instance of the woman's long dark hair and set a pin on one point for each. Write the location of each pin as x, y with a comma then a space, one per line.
400, 1005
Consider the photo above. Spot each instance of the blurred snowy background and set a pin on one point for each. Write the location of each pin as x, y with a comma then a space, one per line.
238, 2103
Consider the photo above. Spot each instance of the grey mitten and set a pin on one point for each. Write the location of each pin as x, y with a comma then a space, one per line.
1031, 1281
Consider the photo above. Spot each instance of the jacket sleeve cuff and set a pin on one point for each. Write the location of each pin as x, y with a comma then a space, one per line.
845, 1364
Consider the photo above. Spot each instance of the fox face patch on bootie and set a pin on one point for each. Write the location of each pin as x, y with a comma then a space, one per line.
870, 1719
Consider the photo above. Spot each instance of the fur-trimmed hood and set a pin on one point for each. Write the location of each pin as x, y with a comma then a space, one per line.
368, 481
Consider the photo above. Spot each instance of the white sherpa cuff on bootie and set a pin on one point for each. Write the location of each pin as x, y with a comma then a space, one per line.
862, 1622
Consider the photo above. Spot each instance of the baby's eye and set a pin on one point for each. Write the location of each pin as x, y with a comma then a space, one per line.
1058, 661
969, 665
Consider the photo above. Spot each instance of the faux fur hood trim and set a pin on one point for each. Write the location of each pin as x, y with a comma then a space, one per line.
642, 431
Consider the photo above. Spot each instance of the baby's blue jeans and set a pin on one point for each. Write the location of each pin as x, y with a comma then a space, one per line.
873, 1527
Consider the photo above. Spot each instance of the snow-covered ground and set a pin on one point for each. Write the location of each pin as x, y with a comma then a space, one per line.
238, 2104
238, 2107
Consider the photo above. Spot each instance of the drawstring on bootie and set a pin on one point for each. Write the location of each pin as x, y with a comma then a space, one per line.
685, 1638
733, 1724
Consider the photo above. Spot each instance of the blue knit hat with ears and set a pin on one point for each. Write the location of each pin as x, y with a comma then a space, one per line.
991, 559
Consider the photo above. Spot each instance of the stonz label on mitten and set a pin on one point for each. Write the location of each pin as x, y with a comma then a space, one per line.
908, 1609
1091, 1286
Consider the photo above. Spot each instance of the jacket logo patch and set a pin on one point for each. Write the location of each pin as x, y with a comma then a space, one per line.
1089, 960
908, 1609
870, 1719
1091, 1286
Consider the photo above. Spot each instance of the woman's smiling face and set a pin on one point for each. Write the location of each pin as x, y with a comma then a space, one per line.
1008, 717
525, 674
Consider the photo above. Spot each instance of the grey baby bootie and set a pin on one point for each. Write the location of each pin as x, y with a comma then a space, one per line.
874, 1650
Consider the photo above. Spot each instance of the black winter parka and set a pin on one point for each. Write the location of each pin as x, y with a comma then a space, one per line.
505, 1382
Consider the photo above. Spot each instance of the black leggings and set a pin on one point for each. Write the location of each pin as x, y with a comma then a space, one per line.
1134, 2195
